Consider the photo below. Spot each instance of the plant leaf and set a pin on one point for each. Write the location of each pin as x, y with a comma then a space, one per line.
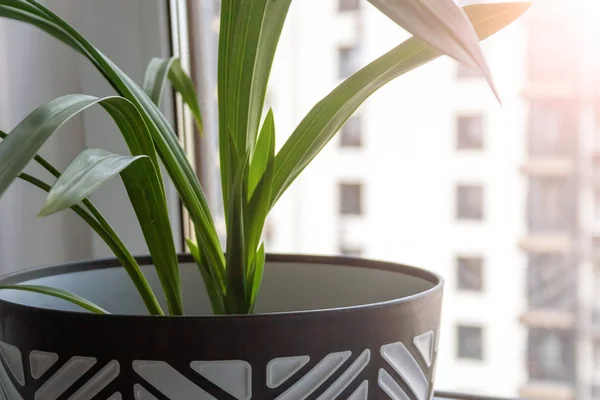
61, 294
443, 25
184, 85
257, 275
21, 145
326, 118
263, 164
212, 287
91, 169
156, 77
235, 297
173, 156
250, 31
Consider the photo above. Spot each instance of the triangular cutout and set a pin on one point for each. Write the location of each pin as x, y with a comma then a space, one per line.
424, 343
280, 370
361, 393
40, 362
12, 357
234, 377
115, 396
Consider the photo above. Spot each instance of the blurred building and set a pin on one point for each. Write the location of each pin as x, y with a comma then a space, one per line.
502, 200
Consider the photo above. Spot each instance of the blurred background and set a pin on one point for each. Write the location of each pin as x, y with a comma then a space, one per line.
502, 200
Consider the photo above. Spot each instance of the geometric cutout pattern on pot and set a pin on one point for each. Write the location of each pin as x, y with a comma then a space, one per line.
169, 381
349, 376
400, 359
139, 393
12, 357
40, 362
234, 377
281, 369
115, 396
66, 376
98, 382
7, 388
316, 376
390, 386
424, 344
361, 393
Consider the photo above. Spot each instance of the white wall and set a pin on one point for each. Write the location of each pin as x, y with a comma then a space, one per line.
38, 68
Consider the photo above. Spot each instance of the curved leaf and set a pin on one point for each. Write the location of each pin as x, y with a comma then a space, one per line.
61, 294
156, 77
91, 169
184, 85
443, 25
172, 154
326, 118
149, 201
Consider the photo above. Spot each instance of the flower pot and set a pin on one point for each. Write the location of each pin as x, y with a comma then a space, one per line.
325, 328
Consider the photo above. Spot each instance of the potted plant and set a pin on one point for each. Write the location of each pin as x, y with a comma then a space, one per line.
320, 327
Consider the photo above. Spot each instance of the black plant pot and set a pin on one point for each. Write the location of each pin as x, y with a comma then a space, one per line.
326, 328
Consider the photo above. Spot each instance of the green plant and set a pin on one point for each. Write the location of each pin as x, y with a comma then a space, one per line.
253, 176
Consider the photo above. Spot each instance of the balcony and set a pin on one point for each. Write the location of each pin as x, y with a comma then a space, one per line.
547, 391
547, 243
548, 319
549, 166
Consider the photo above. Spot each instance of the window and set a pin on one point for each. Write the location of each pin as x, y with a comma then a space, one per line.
348, 5
550, 355
469, 202
552, 128
551, 282
552, 205
351, 198
465, 71
347, 61
470, 342
469, 273
351, 251
351, 133
470, 132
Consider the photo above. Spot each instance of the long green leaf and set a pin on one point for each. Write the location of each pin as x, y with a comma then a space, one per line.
61, 294
184, 85
262, 168
99, 224
173, 156
154, 82
91, 169
210, 281
25, 140
156, 77
257, 275
326, 118
235, 297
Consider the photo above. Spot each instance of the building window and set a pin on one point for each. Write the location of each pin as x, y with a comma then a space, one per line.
470, 342
350, 134
351, 251
469, 273
465, 71
552, 128
469, 201
551, 355
552, 205
551, 282
470, 132
348, 5
347, 61
351, 198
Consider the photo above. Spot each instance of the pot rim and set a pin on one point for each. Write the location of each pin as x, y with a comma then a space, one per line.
111, 262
